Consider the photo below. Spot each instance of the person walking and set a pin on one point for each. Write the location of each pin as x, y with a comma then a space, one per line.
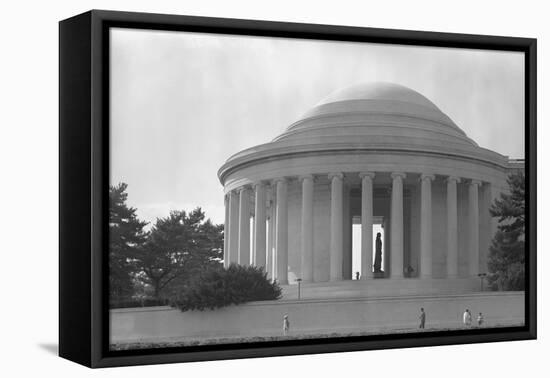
286, 325
422, 318
467, 318
480, 319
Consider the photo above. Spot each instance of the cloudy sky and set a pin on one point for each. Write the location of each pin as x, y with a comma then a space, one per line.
182, 103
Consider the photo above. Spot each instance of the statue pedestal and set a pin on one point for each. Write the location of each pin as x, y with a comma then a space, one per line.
379, 274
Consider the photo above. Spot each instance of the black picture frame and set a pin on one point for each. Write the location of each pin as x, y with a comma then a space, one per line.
83, 180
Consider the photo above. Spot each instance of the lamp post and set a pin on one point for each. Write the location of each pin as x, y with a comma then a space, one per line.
481, 277
299, 280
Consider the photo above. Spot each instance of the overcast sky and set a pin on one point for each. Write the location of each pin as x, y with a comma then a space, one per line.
182, 103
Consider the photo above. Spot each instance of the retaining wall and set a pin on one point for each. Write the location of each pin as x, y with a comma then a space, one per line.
313, 316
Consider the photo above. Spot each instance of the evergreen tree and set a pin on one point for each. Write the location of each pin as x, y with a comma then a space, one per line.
507, 252
126, 237
179, 246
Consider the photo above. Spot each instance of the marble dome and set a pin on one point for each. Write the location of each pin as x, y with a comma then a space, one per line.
376, 110
377, 116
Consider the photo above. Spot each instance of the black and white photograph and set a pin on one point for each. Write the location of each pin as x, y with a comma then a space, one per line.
274, 189
266, 189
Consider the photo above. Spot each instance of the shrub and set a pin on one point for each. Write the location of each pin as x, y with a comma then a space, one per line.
218, 287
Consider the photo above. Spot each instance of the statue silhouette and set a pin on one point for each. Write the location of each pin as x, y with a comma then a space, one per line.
378, 253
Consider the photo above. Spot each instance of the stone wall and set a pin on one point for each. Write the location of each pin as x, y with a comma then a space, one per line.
313, 316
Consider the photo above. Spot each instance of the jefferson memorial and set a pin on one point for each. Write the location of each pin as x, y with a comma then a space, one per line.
375, 158
374, 155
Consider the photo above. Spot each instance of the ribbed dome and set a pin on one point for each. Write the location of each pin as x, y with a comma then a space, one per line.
376, 110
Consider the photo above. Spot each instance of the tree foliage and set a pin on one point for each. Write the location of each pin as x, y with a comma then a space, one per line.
126, 237
507, 252
218, 287
177, 247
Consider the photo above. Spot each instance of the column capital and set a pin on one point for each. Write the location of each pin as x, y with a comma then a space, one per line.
475, 182
306, 176
453, 178
280, 179
243, 188
339, 175
363, 175
427, 176
260, 183
395, 175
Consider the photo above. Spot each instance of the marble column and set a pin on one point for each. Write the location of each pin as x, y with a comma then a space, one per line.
347, 235
281, 247
386, 248
244, 227
307, 228
270, 236
366, 224
252, 232
336, 226
473, 214
233, 227
259, 225
226, 232
452, 227
396, 225
426, 225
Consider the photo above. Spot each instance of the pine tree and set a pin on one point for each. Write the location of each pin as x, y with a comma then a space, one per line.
126, 237
507, 252
179, 246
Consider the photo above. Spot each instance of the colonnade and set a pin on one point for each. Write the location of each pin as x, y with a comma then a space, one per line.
274, 237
